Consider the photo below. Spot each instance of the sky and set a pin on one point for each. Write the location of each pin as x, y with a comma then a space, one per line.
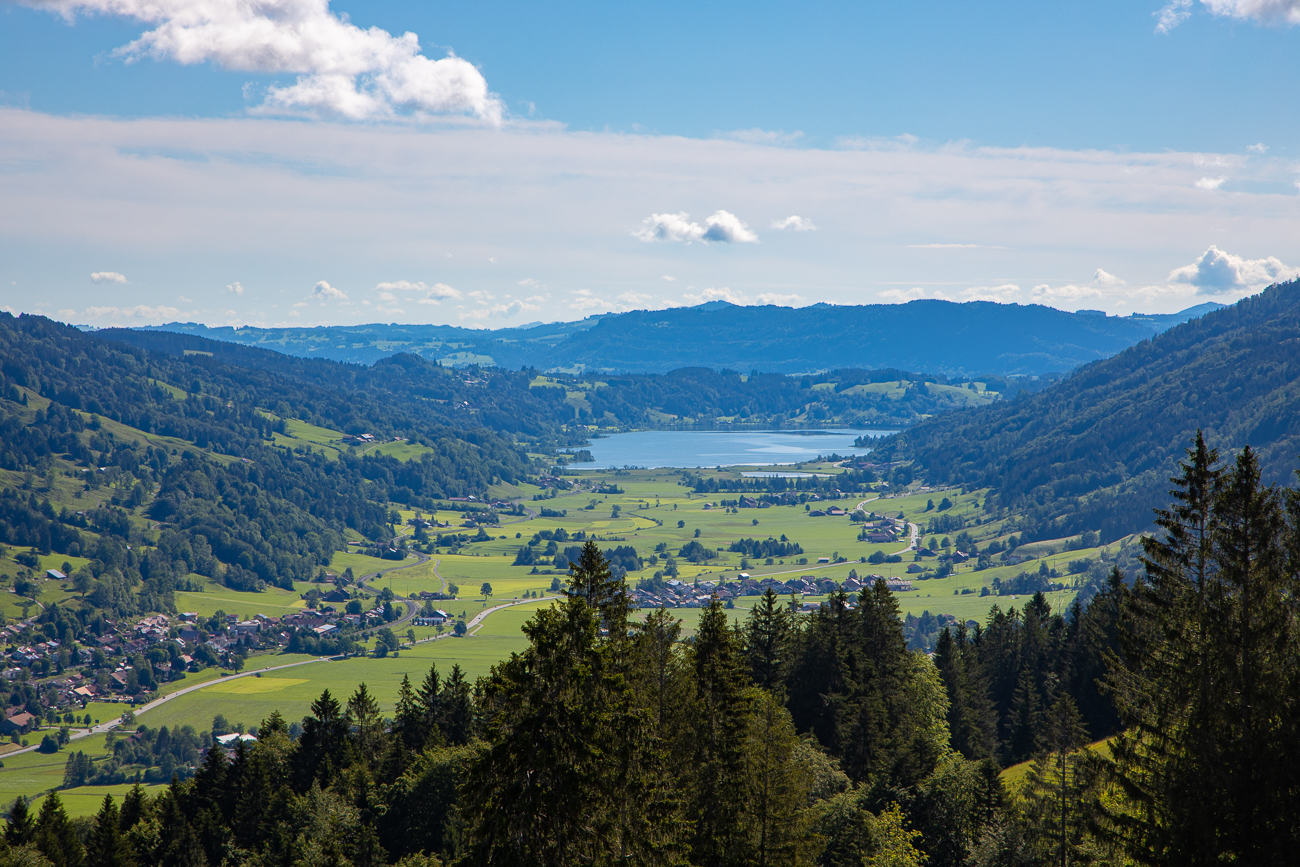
488, 164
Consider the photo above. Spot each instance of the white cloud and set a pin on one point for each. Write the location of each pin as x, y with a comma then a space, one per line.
721, 226
1068, 295
1259, 148
1007, 293
669, 278
1175, 12
1104, 278
107, 277
1259, 11
765, 136
501, 311
419, 292
342, 69
235, 288
1209, 183
732, 296
904, 295
1220, 273
138, 312
325, 292
798, 224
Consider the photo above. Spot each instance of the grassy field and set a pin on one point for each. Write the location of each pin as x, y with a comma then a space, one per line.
649, 510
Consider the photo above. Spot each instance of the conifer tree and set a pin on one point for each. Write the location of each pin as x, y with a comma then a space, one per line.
21, 827
107, 846
721, 708
767, 642
55, 837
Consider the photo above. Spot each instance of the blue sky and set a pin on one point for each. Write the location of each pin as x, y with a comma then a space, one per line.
1081, 155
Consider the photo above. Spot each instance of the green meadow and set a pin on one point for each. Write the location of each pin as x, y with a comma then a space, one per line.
648, 513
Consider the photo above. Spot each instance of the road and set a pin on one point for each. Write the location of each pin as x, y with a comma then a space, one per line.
112, 724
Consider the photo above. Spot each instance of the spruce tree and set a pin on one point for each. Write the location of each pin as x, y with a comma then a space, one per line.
767, 642
55, 837
107, 846
21, 827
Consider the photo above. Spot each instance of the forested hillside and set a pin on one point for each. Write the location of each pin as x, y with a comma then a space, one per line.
157, 466
960, 340
554, 410
1096, 450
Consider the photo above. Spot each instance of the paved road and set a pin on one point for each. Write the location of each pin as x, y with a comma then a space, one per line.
112, 724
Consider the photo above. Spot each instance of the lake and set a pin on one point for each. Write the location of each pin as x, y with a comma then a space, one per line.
674, 448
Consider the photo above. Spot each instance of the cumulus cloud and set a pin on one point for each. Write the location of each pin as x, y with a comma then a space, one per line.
1209, 183
798, 224
1258, 148
1217, 272
325, 292
235, 288
1284, 12
722, 226
107, 277
1104, 278
419, 292
586, 301
668, 278
341, 69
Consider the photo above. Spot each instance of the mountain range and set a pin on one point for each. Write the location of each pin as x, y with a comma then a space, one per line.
1097, 449
962, 340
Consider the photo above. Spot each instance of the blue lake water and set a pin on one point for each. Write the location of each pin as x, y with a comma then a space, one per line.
671, 448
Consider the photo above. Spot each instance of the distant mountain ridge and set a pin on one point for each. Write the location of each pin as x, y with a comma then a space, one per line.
1095, 451
978, 337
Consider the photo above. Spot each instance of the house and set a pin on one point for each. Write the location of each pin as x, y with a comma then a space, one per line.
335, 595
823, 559
897, 584
913, 568
55, 574
18, 722
835, 511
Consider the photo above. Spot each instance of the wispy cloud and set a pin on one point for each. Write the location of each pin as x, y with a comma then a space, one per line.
1269, 12
795, 223
765, 136
953, 247
342, 69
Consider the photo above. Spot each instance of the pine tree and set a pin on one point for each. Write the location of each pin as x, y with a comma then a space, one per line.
55, 837
136, 805
320, 753
1205, 682
21, 827
455, 708
107, 846
718, 797
767, 642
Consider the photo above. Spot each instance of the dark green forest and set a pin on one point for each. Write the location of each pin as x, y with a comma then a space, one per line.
817, 740
1093, 451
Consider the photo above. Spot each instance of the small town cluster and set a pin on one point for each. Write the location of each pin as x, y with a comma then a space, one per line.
681, 594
